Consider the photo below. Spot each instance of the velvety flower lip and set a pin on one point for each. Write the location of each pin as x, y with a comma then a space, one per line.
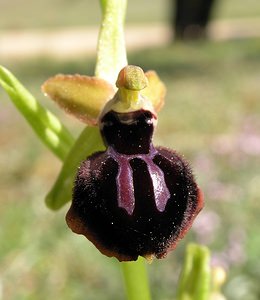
147, 232
131, 200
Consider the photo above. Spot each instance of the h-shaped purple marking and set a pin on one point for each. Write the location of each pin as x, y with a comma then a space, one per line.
125, 197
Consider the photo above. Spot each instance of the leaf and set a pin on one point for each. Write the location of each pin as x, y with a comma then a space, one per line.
45, 124
81, 96
88, 142
155, 91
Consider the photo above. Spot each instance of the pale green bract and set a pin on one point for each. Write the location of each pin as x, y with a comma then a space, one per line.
194, 281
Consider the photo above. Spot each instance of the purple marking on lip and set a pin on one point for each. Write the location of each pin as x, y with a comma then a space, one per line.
125, 196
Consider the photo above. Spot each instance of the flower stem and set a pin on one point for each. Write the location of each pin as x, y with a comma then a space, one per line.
136, 281
111, 51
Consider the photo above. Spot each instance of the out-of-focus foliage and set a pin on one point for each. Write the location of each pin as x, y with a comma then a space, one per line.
47, 13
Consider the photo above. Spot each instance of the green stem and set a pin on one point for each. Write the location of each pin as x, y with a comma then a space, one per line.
136, 280
111, 52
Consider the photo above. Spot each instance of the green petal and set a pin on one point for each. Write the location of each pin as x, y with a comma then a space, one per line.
82, 96
88, 142
155, 91
46, 125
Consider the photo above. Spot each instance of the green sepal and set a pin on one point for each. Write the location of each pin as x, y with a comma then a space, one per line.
88, 142
45, 124
155, 90
79, 95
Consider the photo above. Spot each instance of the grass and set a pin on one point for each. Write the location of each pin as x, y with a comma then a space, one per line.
22, 14
211, 115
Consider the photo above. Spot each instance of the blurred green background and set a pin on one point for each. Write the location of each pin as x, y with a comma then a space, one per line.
211, 115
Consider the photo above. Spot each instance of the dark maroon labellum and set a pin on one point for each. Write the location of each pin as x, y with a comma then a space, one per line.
133, 199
